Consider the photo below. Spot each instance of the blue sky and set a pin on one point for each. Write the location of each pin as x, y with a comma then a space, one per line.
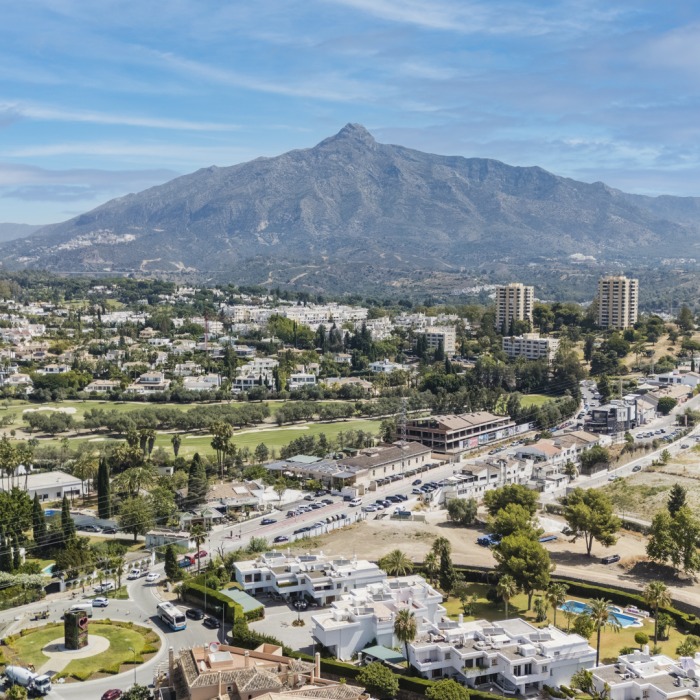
98, 99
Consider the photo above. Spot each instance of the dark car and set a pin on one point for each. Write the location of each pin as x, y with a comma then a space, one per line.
416, 482
212, 623
89, 528
267, 521
611, 559
109, 531
402, 497
281, 538
195, 614
347, 499
636, 468
113, 694
327, 501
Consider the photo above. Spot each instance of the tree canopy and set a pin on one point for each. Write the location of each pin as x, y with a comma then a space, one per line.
589, 514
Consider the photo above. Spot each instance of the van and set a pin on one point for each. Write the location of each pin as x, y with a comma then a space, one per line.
82, 607
356, 502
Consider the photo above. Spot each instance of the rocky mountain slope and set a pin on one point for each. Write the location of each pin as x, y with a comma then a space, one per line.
351, 208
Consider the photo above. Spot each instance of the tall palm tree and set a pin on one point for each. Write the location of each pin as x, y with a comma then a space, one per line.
600, 616
405, 629
506, 588
441, 545
396, 563
431, 566
198, 534
134, 479
556, 596
656, 595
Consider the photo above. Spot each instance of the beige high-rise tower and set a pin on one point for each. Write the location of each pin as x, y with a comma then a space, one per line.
618, 297
514, 302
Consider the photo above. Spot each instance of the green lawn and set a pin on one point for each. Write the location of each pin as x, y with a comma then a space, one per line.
528, 400
611, 641
28, 648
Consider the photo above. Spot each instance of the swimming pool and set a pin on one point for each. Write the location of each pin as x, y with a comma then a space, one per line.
616, 613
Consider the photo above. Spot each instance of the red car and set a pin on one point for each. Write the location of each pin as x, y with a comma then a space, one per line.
113, 694
200, 554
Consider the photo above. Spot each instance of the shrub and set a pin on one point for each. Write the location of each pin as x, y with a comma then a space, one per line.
641, 638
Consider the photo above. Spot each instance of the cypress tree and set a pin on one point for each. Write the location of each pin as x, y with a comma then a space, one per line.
104, 504
39, 527
5, 553
197, 482
16, 558
172, 570
67, 524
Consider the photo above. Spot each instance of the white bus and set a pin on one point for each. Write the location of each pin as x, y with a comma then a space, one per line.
172, 616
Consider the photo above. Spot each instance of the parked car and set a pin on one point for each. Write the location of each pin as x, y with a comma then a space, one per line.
636, 468
89, 528
113, 694
327, 501
268, 521
281, 538
153, 576
212, 623
109, 531
309, 497
416, 482
134, 574
611, 559
100, 602
185, 563
488, 540
200, 554
104, 587
370, 509
195, 614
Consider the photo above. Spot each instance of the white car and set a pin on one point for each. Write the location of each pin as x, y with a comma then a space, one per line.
106, 586
153, 576
100, 602
134, 574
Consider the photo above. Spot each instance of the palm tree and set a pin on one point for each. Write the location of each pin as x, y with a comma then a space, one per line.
656, 595
405, 629
441, 545
396, 563
134, 479
198, 534
570, 470
556, 596
431, 566
600, 616
506, 588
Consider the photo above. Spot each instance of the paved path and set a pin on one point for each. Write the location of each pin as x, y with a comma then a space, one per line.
60, 657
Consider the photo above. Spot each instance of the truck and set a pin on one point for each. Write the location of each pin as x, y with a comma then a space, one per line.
33, 682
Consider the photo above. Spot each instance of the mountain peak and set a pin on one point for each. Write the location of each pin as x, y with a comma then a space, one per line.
355, 133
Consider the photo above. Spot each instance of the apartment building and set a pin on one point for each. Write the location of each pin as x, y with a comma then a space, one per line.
301, 380
484, 475
641, 675
512, 656
367, 615
447, 335
514, 302
617, 301
457, 433
314, 577
530, 346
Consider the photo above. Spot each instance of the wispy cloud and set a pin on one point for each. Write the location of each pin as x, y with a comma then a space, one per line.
48, 113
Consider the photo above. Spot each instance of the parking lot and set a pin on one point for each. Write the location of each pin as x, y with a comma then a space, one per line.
278, 623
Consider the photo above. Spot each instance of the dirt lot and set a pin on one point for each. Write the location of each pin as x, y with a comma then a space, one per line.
374, 538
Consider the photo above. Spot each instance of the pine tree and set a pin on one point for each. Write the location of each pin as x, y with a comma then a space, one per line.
67, 524
676, 499
104, 502
39, 527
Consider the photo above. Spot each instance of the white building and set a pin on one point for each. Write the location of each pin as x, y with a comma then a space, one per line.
50, 486
299, 380
447, 335
512, 655
617, 301
640, 675
514, 302
530, 346
367, 615
315, 577
149, 382
385, 367
208, 382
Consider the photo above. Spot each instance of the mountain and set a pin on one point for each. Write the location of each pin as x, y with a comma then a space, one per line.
350, 210
8, 232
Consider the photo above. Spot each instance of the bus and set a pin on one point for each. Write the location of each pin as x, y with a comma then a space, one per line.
172, 616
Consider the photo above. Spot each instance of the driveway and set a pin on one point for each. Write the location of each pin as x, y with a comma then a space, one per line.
278, 623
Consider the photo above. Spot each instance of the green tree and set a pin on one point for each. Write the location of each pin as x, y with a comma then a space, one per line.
136, 516
593, 457
104, 496
688, 646
506, 588
199, 535
261, 453
512, 519
431, 564
137, 692
556, 596
526, 561
5, 552
666, 404
16, 692
446, 574
378, 680
176, 441
172, 570
656, 595
447, 689
512, 493
584, 625
685, 319
589, 514
405, 629
462, 511
197, 484
39, 527
676, 499
396, 563
67, 524
600, 616
583, 680
674, 539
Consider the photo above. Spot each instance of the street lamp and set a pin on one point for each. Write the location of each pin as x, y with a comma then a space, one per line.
133, 651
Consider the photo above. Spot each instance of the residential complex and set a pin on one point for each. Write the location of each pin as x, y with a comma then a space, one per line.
447, 335
530, 346
617, 302
315, 577
514, 302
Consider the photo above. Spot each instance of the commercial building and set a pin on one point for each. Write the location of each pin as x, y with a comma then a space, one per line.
530, 346
315, 577
452, 434
447, 335
514, 302
512, 656
49, 486
214, 671
641, 675
617, 301
618, 416
367, 615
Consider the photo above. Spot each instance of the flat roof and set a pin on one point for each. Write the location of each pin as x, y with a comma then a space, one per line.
247, 602
383, 654
48, 479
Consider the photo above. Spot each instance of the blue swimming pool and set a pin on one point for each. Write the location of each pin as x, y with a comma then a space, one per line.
621, 618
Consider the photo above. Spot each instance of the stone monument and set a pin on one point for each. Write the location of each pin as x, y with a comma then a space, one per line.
75, 628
